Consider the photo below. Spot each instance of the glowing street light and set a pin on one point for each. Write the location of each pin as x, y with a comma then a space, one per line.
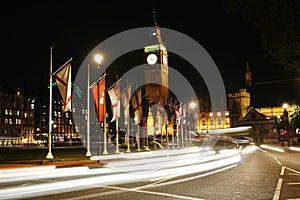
98, 59
193, 105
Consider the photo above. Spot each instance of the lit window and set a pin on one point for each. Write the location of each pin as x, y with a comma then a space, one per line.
211, 114
25, 115
218, 114
227, 120
18, 121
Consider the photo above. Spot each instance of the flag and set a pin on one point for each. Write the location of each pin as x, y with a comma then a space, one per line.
63, 81
125, 96
136, 101
178, 113
99, 95
114, 94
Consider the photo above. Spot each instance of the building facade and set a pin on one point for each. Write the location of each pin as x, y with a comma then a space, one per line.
64, 129
17, 119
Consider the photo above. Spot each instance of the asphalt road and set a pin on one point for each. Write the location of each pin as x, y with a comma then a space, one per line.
261, 174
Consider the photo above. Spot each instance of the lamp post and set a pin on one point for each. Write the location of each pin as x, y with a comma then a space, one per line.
88, 153
49, 155
98, 59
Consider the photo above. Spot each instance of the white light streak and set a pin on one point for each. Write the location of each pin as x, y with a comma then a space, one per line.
272, 148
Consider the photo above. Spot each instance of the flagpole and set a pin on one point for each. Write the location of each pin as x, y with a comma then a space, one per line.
138, 132
117, 128
104, 123
88, 153
184, 122
49, 155
127, 122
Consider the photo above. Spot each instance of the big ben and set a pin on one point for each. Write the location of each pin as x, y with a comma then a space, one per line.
156, 73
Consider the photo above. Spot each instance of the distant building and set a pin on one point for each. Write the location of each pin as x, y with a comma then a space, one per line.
63, 128
17, 119
263, 127
238, 105
214, 120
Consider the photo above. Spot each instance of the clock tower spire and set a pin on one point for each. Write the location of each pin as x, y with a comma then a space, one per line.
156, 69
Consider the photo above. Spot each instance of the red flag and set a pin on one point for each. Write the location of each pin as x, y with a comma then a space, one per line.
63, 80
136, 101
99, 95
114, 94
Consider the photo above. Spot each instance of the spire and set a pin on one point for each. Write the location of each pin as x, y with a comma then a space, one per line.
247, 67
249, 82
248, 77
157, 30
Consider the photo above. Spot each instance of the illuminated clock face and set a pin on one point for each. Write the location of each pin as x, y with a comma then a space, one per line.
151, 59
165, 60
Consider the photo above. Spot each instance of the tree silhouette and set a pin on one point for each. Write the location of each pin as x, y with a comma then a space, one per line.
278, 24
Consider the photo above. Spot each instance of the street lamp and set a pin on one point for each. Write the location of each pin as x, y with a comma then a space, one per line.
98, 59
193, 105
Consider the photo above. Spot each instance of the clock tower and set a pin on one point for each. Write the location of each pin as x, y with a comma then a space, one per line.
156, 73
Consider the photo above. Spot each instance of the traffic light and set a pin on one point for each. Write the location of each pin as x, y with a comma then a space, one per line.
285, 132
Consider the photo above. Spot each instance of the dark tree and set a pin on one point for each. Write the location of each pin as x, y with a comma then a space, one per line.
278, 22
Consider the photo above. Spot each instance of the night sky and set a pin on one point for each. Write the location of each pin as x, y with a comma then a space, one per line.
74, 29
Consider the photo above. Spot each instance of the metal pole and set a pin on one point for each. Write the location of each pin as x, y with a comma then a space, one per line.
88, 153
104, 123
49, 155
117, 136
138, 138
128, 137
117, 128
128, 128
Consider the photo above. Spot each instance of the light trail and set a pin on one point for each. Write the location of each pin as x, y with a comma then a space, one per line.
271, 148
49, 188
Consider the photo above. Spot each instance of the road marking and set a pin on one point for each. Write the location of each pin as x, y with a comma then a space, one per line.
277, 160
93, 196
152, 185
292, 170
282, 171
156, 193
278, 188
297, 183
